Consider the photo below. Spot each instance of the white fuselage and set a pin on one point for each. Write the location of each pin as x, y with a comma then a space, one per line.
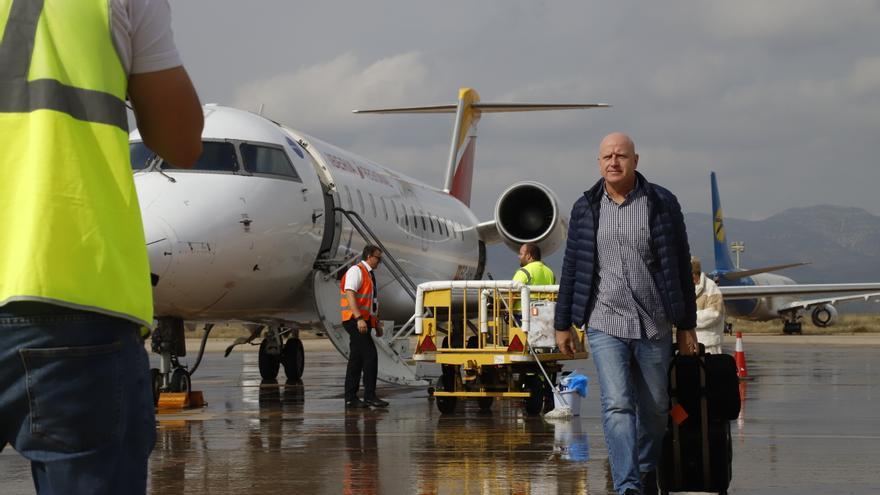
762, 308
242, 243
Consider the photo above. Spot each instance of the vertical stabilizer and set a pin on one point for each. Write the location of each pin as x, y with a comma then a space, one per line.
468, 110
723, 262
460, 168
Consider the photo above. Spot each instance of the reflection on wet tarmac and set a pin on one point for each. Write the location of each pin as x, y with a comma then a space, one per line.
809, 424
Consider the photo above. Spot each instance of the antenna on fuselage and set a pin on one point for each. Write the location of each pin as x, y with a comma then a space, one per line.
468, 111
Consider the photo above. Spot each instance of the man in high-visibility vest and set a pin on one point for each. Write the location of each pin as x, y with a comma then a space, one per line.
532, 270
359, 304
75, 395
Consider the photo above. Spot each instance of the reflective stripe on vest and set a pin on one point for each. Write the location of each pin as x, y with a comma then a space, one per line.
72, 232
363, 297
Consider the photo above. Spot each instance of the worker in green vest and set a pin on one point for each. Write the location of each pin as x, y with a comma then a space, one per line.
75, 395
532, 271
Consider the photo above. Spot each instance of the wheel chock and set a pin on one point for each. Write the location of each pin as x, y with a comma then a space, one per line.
181, 400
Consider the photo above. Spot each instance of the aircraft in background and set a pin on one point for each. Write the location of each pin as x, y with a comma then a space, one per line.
260, 230
759, 295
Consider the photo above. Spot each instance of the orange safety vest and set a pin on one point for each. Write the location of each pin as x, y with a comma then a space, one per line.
363, 297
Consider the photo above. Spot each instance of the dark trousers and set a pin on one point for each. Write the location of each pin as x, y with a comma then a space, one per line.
361, 358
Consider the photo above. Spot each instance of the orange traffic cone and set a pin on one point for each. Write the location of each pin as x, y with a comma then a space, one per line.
740, 357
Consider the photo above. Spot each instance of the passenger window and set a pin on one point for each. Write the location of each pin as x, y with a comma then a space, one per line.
361, 202
431, 220
373, 206
140, 155
415, 223
384, 207
215, 157
266, 160
394, 209
350, 205
422, 218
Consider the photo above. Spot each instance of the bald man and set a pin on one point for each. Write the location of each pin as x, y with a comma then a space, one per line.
626, 275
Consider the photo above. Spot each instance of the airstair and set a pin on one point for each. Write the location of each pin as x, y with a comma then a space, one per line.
395, 347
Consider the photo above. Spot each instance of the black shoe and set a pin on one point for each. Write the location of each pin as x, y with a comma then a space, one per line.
631, 491
649, 483
376, 402
356, 404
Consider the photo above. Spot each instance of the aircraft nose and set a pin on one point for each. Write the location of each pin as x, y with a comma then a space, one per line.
159, 242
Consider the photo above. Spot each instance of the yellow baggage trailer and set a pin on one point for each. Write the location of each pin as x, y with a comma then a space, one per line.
487, 346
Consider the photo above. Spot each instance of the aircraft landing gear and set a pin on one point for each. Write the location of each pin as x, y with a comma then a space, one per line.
273, 355
792, 328
169, 342
792, 324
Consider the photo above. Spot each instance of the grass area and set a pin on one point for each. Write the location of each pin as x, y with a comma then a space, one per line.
846, 324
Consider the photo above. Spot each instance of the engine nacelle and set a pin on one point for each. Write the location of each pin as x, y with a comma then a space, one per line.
824, 315
529, 212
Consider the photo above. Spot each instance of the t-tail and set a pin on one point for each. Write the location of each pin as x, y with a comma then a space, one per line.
468, 110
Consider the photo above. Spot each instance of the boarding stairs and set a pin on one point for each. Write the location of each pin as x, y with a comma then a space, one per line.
395, 347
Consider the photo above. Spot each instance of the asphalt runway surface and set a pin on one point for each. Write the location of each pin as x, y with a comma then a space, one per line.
810, 424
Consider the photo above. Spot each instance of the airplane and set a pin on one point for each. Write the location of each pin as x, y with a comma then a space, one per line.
260, 230
759, 295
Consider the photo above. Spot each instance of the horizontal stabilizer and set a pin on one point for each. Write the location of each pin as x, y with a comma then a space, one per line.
488, 108
748, 273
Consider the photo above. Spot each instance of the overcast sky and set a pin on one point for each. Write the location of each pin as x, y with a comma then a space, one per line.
781, 98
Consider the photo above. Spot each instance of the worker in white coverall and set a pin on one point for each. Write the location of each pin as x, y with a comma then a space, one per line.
710, 309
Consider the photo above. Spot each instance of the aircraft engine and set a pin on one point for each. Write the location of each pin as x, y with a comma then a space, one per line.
529, 212
824, 315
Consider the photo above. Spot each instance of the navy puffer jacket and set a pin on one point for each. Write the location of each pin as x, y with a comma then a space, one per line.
672, 271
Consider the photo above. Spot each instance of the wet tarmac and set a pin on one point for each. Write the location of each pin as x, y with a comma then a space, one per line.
810, 424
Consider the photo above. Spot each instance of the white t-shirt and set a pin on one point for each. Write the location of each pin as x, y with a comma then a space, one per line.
353, 283
142, 35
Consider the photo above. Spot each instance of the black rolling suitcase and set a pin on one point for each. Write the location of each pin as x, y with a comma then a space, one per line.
697, 450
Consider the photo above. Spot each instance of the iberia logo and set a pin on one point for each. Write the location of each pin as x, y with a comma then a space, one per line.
718, 224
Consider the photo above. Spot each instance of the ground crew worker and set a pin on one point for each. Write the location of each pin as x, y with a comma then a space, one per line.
359, 304
532, 270
710, 309
75, 395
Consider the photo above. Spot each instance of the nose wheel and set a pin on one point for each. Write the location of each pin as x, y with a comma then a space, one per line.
168, 341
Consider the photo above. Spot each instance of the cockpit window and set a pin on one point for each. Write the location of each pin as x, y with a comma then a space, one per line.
140, 155
266, 160
215, 157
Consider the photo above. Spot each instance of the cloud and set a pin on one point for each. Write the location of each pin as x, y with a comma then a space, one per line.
319, 98
788, 21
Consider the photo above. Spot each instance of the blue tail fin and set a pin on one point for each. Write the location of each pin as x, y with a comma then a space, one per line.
722, 253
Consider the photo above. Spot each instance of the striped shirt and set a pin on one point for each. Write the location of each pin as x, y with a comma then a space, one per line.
628, 304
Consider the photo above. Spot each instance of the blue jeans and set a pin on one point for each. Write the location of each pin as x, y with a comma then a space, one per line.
76, 399
633, 378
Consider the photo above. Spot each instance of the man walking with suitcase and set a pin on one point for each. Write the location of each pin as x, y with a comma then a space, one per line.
626, 274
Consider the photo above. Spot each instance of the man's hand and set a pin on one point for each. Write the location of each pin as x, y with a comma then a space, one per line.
565, 343
687, 342
362, 325
379, 328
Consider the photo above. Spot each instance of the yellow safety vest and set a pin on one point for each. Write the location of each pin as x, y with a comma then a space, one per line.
69, 214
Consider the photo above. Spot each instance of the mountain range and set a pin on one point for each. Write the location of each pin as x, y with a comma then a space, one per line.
841, 244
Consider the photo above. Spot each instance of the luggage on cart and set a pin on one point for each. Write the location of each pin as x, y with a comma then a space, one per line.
697, 449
